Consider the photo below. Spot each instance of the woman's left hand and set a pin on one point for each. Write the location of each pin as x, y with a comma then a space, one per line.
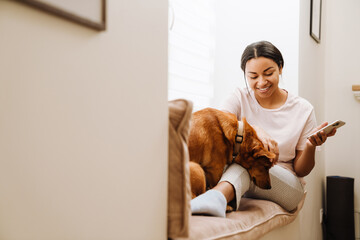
269, 143
319, 138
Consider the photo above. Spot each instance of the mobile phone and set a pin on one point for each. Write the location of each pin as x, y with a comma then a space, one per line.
327, 129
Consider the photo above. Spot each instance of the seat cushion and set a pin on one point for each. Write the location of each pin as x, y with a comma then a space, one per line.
253, 220
179, 193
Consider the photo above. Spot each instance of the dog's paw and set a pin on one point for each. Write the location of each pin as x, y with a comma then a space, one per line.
229, 209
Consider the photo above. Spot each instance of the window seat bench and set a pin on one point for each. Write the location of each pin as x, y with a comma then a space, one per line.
254, 219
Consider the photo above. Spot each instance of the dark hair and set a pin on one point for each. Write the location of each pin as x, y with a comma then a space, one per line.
262, 49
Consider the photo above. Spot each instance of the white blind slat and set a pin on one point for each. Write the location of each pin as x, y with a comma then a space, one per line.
191, 52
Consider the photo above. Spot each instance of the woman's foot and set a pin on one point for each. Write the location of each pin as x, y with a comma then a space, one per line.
212, 203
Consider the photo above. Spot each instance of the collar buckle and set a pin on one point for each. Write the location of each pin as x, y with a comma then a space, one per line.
239, 138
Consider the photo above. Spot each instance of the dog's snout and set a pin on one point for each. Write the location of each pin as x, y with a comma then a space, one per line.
262, 184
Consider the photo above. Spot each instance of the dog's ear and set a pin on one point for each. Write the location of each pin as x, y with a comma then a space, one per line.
244, 120
228, 123
249, 131
262, 152
245, 162
246, 124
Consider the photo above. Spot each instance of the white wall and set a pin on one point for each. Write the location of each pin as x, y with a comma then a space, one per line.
341, 39
326, 73
311, 87
83, 122
240, 23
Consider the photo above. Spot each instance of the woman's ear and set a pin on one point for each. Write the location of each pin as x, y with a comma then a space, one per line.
280, 71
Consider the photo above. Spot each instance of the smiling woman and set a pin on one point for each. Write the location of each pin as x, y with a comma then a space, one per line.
282, 122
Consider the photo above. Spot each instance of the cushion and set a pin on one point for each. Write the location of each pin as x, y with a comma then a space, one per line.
179, 193
253, 220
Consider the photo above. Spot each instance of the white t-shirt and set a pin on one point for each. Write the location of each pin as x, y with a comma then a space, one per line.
288, 125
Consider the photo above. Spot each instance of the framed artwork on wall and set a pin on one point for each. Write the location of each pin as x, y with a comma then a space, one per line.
89, 13
315, 20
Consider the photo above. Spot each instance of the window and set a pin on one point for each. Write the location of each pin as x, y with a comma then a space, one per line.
191, 51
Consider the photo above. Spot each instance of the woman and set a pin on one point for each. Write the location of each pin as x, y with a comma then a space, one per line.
282, 121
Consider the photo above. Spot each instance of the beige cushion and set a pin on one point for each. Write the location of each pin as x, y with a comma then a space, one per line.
254, 219
179, 194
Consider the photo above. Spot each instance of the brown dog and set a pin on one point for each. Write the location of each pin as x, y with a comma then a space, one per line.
212, 139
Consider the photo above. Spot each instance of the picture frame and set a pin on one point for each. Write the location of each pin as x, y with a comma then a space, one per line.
315, 20
89, 13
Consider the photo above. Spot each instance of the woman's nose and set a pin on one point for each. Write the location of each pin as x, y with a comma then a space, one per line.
262, 80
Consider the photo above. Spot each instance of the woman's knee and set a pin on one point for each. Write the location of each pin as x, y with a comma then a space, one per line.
286, 189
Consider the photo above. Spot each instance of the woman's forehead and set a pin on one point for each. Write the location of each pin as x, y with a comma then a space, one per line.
260, 64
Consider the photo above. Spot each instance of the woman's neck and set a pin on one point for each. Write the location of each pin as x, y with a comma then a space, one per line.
276, 100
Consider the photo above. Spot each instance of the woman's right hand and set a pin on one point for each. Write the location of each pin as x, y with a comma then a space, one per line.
320, 138
269, 143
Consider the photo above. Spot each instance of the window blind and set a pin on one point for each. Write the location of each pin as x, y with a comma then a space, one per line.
191, 51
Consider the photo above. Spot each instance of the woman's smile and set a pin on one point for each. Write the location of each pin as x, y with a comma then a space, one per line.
264, 89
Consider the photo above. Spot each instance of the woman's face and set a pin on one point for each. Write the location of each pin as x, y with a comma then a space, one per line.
262, 75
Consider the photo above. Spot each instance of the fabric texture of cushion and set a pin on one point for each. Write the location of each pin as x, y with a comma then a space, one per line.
179, 194
253, 220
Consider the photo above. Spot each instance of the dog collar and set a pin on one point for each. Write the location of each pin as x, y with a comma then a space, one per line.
239, 138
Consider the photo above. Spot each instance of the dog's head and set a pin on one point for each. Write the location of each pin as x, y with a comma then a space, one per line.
255, 158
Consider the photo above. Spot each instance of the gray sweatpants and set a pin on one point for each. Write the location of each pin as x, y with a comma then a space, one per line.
286, 189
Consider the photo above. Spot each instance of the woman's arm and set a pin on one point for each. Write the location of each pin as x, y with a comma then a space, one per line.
305, 160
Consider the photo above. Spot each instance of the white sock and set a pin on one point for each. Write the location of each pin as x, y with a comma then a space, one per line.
212, 202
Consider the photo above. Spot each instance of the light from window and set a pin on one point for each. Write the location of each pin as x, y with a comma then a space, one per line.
191, 51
